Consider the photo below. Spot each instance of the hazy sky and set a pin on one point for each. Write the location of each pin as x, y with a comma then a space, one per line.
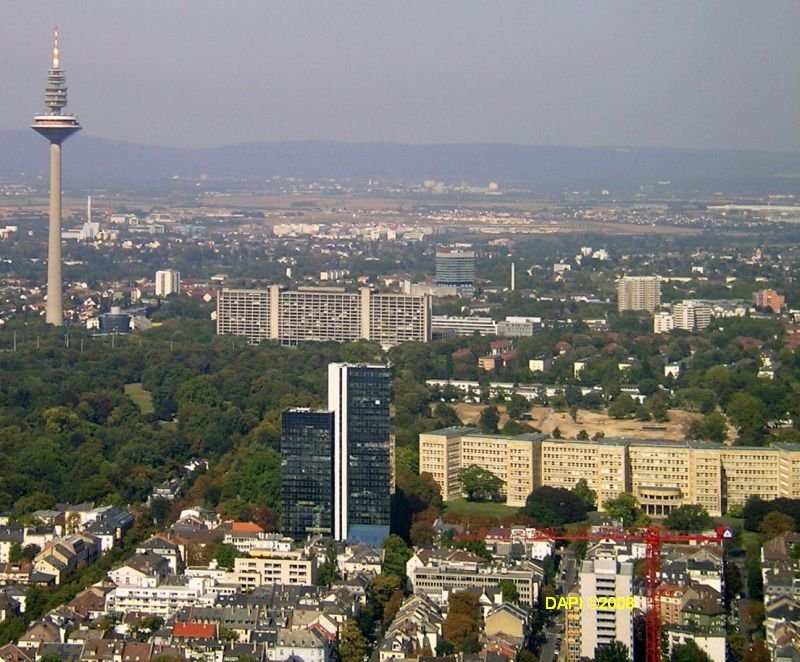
693, 73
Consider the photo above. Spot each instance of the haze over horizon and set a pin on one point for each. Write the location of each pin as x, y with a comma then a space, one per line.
718, 75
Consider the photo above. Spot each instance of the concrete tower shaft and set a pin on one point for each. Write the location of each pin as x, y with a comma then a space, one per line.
54, 125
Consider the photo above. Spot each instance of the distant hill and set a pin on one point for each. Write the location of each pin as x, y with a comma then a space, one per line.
91, 162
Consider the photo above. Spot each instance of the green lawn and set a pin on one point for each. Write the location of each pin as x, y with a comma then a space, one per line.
140, 397
462, 506
751, 540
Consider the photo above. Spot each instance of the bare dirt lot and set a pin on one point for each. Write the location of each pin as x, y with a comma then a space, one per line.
546, 420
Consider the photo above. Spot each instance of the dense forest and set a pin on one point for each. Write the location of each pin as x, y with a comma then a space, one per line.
71, 432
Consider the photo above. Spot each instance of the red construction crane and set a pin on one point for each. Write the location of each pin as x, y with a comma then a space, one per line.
653, 537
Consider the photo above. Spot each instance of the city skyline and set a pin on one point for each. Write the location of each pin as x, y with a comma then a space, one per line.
574, 75
557, 465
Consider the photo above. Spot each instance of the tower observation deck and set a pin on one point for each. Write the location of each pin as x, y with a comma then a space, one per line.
56, 126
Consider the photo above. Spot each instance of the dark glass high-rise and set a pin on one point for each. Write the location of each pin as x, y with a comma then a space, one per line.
307, 472
359, 394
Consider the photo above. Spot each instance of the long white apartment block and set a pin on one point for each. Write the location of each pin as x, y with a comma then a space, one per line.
323, 315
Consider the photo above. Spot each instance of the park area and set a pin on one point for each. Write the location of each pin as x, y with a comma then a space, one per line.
462, 507
141, 398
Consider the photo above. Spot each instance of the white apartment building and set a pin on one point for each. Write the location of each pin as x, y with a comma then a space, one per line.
306, 645
605, 578
9, 536
323, 315
638, 293
169, 597
435, 577
267, 567
711, 642
246, 542
143, 571
540, 364
691, 315
663, 322
168, 282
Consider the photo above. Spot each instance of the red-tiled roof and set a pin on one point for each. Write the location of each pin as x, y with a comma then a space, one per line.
135, 651
194, 630
245, 527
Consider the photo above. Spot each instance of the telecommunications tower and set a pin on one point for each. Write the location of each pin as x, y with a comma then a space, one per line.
56, 126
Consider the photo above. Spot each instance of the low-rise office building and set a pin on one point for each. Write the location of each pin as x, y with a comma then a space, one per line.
435, 574
663, 474
512, 459
267, 567
168, 597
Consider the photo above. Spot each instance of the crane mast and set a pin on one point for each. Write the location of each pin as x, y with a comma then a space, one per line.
653, 538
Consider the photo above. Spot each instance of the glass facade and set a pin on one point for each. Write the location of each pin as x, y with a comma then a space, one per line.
367, 429
455, 267
359, 395
306, 472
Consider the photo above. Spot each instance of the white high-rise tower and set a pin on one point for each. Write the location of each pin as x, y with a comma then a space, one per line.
168, 282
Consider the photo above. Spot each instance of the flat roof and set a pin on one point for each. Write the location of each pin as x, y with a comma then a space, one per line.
469, 431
